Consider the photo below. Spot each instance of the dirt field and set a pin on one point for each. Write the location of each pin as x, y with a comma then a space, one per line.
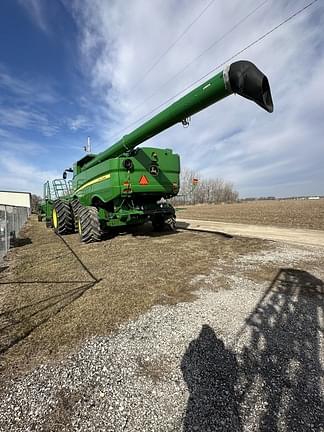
289, 213
58, 292
96, 337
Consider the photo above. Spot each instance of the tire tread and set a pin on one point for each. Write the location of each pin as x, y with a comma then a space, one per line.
64, 217
90, 224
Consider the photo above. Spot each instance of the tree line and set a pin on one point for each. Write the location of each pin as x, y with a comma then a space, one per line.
205, 191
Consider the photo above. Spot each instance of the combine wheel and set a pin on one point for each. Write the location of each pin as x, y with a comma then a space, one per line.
158, 223
76, 207
170, 223
161, 223
89, 225
62, 218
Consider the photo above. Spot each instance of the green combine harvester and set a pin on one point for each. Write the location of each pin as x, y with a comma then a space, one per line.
126, 185
52, 191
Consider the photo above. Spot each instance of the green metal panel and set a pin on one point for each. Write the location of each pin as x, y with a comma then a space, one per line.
48, 210
109, 179
166, 182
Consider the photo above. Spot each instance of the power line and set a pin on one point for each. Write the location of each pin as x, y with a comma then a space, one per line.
285, 21
188, 64
255, 42
234, 27
157, 61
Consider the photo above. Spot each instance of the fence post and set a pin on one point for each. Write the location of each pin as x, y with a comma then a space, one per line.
6, 229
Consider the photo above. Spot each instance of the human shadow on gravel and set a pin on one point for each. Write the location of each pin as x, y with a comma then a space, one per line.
273, 384
211, 372
280, 369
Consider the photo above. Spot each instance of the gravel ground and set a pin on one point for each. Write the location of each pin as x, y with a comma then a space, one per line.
244, 357
57, 293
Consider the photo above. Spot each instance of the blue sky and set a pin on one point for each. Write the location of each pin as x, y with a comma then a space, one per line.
69, 69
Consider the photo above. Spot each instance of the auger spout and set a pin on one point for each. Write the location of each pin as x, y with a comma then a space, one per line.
241, 77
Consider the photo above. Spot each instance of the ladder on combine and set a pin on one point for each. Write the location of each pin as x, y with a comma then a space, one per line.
57, 188
53, 190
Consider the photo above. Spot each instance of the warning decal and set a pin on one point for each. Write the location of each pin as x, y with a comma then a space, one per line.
143, 180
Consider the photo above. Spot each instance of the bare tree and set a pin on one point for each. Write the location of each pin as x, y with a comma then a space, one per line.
205, 191
35, 201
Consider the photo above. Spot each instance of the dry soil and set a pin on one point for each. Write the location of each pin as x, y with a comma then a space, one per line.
286, 213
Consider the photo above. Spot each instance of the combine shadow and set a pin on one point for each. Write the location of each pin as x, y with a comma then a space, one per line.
3, 268
185, 226
284, 354
274, 383
19, 242
147, 230
16, 324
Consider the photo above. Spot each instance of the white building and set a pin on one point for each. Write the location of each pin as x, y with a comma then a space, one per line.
15, 208
16, 199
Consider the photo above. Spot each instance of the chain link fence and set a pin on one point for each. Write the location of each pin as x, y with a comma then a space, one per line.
11, 221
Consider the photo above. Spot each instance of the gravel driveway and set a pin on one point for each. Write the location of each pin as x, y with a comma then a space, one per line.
242, 357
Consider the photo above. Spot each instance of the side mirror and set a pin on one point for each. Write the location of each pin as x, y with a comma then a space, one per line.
65, 173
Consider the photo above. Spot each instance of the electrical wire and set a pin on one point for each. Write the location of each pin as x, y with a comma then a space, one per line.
285, 21
149, 70
224, 35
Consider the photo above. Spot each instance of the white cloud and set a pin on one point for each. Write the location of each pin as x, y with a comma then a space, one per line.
27, 90
36, 10
118, 44
17, 174
79, 122
27, 119
27, 103
262, 154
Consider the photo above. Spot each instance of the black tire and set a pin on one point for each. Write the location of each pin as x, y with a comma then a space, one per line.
164, 223
170, 223
158, 223
76, 207
89, 225
49, 224
62, 217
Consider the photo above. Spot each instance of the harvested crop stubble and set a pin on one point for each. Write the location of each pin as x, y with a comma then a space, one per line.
288, 213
